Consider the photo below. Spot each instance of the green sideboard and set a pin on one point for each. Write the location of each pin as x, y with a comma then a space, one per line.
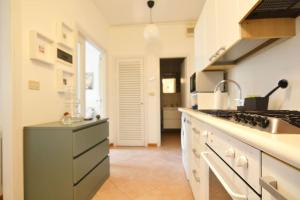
65, 162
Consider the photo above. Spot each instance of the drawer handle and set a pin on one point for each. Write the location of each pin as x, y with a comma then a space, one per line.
197, 155
197, 179
270, 184
196, 131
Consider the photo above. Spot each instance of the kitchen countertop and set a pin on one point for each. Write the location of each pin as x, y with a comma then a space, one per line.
74, 126
285, 147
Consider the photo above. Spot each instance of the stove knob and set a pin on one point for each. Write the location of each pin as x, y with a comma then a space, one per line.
265, 123
236, 117
242, 161
230, 153
243, 118
251, 120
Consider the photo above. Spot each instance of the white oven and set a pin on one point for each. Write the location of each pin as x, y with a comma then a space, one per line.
220, 182
230, 169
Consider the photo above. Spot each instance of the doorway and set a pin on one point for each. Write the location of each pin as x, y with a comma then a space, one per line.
90, 78
172, 91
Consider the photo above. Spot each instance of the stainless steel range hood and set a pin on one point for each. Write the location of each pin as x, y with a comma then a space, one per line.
276, 9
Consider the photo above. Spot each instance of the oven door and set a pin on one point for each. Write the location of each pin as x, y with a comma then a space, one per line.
220, 182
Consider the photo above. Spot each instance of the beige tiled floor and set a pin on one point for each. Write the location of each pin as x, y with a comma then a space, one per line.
147, 173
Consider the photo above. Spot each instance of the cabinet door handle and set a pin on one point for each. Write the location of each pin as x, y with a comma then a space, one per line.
213, 57
197, 179
270, 185
197, 155
217, 53
221, 50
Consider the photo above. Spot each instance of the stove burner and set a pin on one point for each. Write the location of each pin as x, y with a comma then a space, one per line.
274, 121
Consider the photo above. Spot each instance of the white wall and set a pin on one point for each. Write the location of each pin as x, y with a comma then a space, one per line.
128, 41
42, 15
20, 105
260, 73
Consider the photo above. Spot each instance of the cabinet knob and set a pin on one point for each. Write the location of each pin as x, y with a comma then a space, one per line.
242, 161
230, 153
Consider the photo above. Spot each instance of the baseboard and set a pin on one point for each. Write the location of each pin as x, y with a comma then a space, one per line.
152, 145
110, 145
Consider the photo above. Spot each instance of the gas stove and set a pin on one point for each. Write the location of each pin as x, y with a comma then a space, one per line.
272, 121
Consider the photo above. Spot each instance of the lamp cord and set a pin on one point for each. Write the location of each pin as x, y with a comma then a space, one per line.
151, 16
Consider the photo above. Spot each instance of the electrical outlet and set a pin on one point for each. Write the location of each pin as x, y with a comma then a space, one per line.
34, 85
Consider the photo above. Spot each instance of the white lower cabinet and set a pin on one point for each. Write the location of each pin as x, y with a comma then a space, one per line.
259, 174
185, 143
279, 180
198, 135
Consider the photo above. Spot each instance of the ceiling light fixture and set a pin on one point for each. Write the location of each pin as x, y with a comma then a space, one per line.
151, 31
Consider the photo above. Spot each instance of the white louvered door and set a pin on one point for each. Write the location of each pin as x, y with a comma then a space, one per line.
131, 103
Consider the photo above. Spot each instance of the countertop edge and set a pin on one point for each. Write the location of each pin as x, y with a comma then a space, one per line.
74, 126
272, 144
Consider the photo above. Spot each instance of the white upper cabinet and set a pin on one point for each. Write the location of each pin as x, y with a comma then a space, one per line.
201, 41
216, 30
227, 25
245, 7
223, 36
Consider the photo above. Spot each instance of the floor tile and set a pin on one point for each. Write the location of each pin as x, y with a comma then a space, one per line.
147, 173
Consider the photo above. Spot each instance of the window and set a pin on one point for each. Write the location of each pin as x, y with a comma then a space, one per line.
169, 85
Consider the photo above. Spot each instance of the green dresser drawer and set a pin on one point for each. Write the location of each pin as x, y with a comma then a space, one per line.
89, 137
88, 187
87, 161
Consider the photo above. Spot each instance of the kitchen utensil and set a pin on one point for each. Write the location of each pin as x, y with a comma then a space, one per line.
261, 103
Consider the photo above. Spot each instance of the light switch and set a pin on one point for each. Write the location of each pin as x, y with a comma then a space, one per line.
34, 85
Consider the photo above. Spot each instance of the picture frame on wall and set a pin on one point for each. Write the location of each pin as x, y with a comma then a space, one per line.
42, 48
65, 35
63, 80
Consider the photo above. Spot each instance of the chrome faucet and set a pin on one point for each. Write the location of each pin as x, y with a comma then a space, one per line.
240, 100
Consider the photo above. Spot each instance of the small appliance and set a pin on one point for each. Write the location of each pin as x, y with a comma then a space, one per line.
202, 85
205, 81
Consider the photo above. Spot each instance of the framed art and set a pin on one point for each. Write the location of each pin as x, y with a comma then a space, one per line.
41, 48
65, 35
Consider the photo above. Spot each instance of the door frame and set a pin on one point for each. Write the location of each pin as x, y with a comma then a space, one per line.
117, 61
11, 86
82, 37
188, 59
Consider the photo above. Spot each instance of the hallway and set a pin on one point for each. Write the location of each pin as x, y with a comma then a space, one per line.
147, 173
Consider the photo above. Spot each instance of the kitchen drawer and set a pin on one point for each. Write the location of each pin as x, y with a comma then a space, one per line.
87, 188
172, 124
243, 158
195, 180
86, 162
285, 176
89, 137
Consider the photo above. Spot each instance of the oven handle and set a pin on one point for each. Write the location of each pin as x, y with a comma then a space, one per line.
222, 181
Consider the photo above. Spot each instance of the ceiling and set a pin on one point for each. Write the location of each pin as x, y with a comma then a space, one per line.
125, 12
